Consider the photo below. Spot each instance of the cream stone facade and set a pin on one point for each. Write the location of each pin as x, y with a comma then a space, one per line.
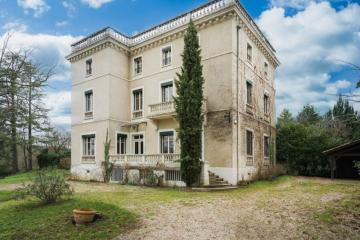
125, 84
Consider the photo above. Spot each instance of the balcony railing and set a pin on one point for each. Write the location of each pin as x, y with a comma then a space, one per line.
137, 114
179, 21
167, 109
148, 160
162, 109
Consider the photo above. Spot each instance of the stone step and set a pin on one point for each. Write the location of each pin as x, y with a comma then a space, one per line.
216, 180
214, 188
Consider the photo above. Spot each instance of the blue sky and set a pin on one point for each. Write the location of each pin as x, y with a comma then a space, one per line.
310, 38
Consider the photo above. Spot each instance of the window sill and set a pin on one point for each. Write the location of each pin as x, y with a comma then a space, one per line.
88, 159
137, 115
249, 109
250, 160
89, 115
166, 66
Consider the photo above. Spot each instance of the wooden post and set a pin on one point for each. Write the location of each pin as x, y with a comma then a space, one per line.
332, 166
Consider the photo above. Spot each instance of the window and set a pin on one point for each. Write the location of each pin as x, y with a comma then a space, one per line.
266, 104
172, 175
138, 65
121, 144
249, 93
166, 56
89, 101
249, 52
89, 145
167, 142
249, 143
138, 100
266, 69
167, 92
266, 146
138, 144
89, 67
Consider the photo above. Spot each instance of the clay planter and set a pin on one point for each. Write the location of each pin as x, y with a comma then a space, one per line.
84, 216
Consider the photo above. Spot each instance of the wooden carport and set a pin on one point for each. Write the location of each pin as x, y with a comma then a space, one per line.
342, 160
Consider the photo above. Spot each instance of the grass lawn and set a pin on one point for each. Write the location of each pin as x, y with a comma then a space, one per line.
24, 177
322, 209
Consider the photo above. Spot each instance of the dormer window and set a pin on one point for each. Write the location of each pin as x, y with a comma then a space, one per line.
138, 65
166, 56
249, 52
89, 67
266, 69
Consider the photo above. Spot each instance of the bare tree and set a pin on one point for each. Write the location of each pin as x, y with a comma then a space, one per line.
58, 140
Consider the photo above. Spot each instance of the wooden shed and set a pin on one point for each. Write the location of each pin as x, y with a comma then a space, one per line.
342, 159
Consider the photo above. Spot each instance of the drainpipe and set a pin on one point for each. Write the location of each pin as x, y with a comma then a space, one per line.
237, 103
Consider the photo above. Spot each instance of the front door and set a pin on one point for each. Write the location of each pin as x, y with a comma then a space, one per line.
138, 144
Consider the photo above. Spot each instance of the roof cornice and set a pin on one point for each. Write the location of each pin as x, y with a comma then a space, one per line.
203, 16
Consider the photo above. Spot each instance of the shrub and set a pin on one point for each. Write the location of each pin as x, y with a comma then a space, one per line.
65, 163
357, 166
49, 186
48, 159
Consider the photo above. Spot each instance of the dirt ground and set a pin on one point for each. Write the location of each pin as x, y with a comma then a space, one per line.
296, 208
285, 211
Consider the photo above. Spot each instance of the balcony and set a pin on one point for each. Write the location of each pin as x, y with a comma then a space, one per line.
167, 110
162, 110
148, 160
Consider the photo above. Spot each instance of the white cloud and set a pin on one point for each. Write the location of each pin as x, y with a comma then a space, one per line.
61, 23
37, 6
96, 3
59, 104
309, 45
298, 4
50, 50
70, 8
14, 26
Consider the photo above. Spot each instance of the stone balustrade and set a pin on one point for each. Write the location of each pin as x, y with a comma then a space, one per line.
198, 13
147, 160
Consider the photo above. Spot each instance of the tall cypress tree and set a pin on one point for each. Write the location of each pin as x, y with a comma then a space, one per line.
189, 87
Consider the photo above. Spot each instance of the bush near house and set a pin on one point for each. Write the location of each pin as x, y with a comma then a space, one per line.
48, 185
51, 159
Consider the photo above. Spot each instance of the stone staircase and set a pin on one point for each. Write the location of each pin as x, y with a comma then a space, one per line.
215, 180
216, 184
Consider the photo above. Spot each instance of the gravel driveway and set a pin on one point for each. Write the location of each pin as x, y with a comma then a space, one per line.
282, 212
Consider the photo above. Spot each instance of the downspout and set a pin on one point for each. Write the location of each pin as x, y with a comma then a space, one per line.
237, 103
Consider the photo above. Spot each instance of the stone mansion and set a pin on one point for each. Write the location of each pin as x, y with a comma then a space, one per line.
126, 85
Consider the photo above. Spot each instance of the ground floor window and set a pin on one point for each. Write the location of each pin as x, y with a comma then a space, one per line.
121, 144
88, 145
167, 142
138, 143
172, 175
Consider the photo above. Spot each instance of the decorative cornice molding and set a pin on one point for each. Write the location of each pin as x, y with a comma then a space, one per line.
205, 17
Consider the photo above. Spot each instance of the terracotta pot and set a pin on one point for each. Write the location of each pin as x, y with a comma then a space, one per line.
83, 216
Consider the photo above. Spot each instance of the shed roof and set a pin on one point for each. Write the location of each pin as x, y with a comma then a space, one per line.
350, 146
